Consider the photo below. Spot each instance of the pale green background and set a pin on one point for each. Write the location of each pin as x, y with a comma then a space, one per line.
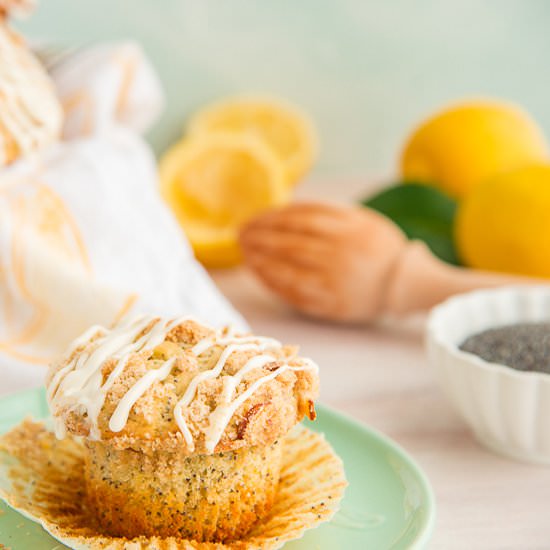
366, 70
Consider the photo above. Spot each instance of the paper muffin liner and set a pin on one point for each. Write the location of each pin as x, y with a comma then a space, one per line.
43, 479
508, 410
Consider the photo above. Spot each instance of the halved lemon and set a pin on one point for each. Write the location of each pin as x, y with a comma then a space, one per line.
286, 129
215, 183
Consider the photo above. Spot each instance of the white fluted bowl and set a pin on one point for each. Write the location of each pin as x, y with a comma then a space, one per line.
508, 410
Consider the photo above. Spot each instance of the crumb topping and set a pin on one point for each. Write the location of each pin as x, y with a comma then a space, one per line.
155, 384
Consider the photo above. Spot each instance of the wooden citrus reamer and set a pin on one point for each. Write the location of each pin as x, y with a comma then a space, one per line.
352, 264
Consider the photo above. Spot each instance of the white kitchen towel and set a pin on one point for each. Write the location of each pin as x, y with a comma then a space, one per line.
84, 235
107, 85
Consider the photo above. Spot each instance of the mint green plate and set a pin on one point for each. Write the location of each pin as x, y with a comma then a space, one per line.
388, 505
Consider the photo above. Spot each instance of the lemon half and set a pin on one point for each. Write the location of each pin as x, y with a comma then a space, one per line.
215, 183
283, 127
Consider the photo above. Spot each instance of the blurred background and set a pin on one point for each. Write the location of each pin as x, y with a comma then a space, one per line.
365, 71
474, 186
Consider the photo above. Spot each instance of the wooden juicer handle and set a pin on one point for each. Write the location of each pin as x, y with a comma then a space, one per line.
421, 280
351, 264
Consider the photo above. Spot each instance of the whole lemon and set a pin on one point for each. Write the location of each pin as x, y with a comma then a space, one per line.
468, 143
503, 224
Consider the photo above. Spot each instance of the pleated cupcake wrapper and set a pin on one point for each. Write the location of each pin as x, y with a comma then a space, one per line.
508, 410
43, 479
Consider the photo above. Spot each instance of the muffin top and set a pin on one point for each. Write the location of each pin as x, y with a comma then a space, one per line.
154, 384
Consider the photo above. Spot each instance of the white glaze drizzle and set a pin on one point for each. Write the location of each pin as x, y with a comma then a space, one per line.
191, 389
222, 414
120, 415
84, 338
231, 382
79, 384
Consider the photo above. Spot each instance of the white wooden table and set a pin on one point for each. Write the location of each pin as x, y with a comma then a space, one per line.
380, 376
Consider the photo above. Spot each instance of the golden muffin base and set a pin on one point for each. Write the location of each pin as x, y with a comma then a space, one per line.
43, 479
202, 497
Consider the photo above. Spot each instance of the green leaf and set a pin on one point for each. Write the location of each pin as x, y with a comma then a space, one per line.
423, 213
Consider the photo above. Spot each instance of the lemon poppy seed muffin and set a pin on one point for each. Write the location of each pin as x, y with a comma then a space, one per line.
183, 425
